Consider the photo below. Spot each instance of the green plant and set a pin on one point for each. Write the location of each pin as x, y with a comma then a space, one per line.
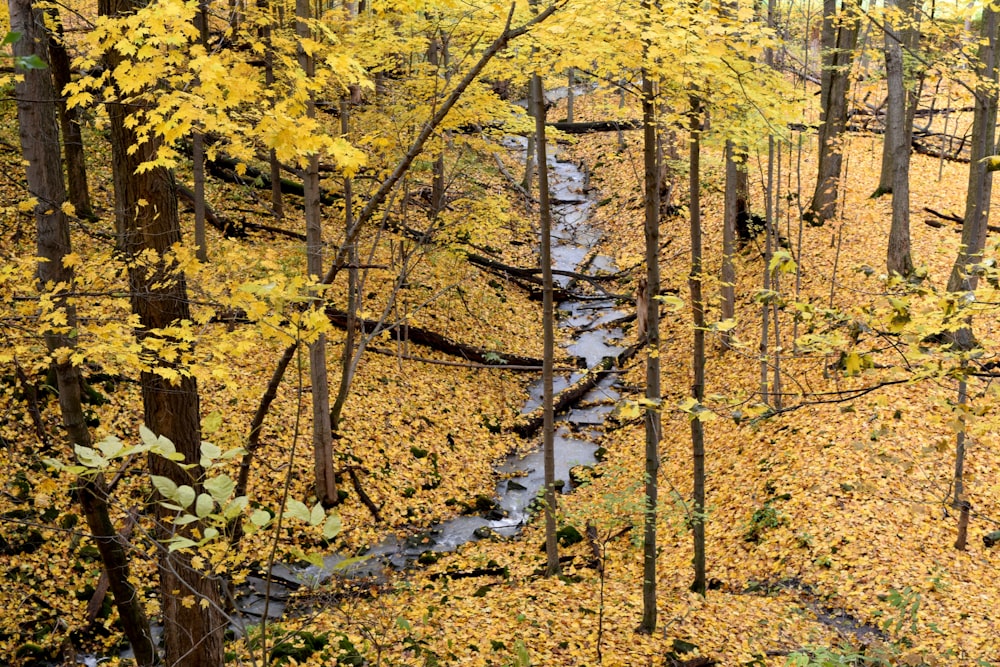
842, 656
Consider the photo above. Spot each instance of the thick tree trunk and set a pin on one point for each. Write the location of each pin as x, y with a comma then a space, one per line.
899, 114
548, 329
840, 34
977, 201
146, 220
36, 111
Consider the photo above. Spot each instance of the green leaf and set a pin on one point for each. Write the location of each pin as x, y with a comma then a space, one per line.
297, 510
332, 526
221, 487
204, 505
147, 435
317, 515
313, 558
89, 457
185, 496
260, 518
211, 422
185, 519
30, 62
181, 543
111, 446
10, 38
234, 508
348, 562
209, 453
210, 534
165, 485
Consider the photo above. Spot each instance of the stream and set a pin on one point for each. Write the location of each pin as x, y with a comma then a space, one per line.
521, 477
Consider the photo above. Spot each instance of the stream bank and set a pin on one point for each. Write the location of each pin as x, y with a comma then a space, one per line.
583, 322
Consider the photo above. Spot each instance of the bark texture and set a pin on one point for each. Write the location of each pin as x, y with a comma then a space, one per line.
37, 112
146, 220
839, 35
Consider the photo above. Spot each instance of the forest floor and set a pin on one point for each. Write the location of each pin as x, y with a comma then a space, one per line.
829, 526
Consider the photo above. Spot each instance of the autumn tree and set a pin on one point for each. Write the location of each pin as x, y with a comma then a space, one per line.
37, 112
898, 138
548, 326
983, 145
839, 38
147, 228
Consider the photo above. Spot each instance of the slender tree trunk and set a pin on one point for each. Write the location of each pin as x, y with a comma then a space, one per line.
840, 34
437, 55
325, 481
277, 203
959, 501
728, 273
548, 324
69, 123
896, 156
697, 352
652, 414
37, 111
347, 355
570, 93
198, 153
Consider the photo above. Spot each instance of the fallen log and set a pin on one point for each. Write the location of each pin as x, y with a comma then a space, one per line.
952, 218
463, 364
229, 229
531, 275
437, 341
225, 167
595, 126
527, 425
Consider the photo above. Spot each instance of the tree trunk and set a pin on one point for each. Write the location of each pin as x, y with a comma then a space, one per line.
570, 94
652, 415
896, 156
840, 34
198, 153
697, 352
69, 123
37, 111
347, 358
325, 481
548, 325
977, 202
959, 501
274, 167
907, 38
146, 220
728, 273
